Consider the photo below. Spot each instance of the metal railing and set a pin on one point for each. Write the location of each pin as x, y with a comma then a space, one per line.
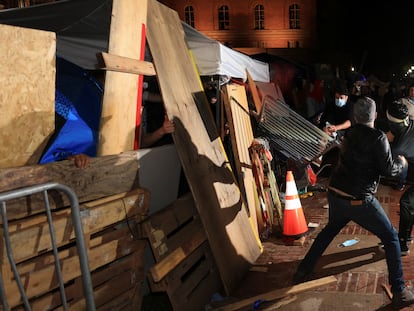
295, 136
80, 243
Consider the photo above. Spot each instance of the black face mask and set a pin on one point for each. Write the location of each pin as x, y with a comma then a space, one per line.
397, 128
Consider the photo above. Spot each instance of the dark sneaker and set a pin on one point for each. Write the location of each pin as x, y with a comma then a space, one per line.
404, 248
399, 187
403, 299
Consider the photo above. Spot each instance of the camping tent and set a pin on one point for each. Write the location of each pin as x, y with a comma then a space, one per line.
82, 30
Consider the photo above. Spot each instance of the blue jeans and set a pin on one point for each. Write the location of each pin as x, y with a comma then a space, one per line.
371, 216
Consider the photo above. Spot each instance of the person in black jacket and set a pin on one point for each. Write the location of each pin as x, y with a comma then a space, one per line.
337, 117
401, 136
364, 157
335, 121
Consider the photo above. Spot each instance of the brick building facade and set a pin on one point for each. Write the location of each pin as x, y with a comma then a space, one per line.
264, 24
252, 23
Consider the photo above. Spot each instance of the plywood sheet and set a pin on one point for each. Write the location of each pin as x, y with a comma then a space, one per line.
27, 96
269, 89
119, 107
218, 200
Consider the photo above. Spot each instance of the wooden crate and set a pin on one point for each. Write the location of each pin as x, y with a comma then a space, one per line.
115, 254
185, 268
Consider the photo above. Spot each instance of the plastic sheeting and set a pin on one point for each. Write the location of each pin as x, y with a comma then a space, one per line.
213, 58
78, 103
82, 31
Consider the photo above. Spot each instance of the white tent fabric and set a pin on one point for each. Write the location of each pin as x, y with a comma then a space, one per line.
82, 31
212, 58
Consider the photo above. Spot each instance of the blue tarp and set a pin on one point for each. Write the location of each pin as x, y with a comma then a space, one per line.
78, 104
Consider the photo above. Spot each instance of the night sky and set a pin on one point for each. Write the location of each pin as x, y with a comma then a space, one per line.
379, 35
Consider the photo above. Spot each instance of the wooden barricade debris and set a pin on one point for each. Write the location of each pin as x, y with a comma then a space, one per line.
184, 268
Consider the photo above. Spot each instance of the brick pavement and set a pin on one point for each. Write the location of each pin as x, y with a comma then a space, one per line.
361, 271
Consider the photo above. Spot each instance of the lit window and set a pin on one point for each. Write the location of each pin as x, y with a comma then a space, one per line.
259, 17
223, 17
189, 15
294, 17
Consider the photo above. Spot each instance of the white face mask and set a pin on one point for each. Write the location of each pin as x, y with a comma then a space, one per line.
340, 102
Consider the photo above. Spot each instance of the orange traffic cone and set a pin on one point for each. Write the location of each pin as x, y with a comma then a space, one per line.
294, 222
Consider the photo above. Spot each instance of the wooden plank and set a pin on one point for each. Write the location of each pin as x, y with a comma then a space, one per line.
126, 276
278, 293
39, 275
128, 65
166, 228
387, 290
124, 204
171, 217
215, 191
27, 103
193, 282
121, 92
28, 240
255, 94
105, 176
193, 291
237, 111
132, 265
195, 239
116, 286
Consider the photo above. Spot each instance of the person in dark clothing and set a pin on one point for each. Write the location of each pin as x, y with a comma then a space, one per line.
156, 127
335, 121
365, 156
337, 117
401, 136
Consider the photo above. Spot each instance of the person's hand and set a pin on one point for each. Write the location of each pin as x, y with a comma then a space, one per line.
81, 160
331, 129
168, 126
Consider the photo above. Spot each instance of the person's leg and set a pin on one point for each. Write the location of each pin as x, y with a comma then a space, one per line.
371, 216
337, 220
406, 218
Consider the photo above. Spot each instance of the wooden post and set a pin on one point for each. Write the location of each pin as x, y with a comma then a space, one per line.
122, 98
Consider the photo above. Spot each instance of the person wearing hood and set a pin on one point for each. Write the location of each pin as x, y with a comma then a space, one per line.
401, 137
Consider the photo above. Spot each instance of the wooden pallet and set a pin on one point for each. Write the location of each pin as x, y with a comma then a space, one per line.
115, 254
184, 268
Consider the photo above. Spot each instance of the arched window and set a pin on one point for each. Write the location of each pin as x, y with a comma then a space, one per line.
259, 16
294, 16
223, 17
189, 15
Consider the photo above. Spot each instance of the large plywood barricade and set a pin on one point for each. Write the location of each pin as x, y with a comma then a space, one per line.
27, 93
224, 215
